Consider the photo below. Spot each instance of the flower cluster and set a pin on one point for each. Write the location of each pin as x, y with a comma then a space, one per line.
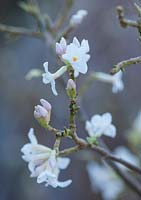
74, 55
43, 162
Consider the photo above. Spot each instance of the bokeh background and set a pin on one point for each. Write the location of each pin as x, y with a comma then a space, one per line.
109, 44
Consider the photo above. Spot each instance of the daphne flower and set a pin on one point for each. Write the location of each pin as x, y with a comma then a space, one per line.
115, 80
61, 47
77, 18
76, 55
42, 162
50, 78
104, 180
101, 125
126, 155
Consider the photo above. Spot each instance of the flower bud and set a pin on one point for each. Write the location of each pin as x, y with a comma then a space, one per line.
61, 47
71, 85
77, 18
43, 113
71, 88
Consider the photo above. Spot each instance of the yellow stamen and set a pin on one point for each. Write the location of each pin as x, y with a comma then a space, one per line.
74, 59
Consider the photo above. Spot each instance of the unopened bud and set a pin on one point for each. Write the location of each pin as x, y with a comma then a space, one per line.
71, 88
45, 104
71, 84
61, 47
43, 113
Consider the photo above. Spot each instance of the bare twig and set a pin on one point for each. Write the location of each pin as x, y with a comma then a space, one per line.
121, 65
19, 31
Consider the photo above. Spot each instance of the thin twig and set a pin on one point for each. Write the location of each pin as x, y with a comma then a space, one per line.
121, 65
19, 31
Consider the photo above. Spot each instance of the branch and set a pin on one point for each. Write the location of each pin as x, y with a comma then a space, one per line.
125, 22
19, 31
121, 65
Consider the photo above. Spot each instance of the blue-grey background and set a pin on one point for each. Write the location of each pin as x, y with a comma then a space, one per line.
109, 44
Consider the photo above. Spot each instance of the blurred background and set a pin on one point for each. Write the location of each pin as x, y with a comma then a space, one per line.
109, 44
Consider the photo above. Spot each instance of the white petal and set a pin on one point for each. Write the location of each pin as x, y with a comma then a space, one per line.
106, 118
64, 183
110, 131
76, 42
32, 137
63, 162
85, 45
44, 176
89, 128
53, 87
76, 73
46, 66
96, 120
63, 43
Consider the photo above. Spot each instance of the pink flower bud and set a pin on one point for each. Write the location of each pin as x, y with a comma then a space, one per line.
45, 104
40, 111
43, 112
71, 85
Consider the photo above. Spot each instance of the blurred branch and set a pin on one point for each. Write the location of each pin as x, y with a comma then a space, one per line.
19, 31
125, 22
64, 14
121, 65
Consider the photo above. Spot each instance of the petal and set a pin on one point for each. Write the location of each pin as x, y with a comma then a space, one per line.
96, 120
89, 128
46, 66
106, 118
63, 162
87, 57
63, 43
76, 73
53, 87
32, 137
76, 42
64, 183
44, 176
110, 131
85, 45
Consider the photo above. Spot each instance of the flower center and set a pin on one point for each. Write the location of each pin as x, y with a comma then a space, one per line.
74, 59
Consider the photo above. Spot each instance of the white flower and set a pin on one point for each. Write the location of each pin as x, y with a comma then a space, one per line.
50, 78
61, 47
137, 122
101, 125
126, 155
76, 55
42, 162
104, 180
77, 18
115, 80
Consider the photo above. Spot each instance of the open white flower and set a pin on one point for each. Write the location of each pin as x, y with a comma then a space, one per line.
125, 154
77, 18
50, 78
101, 125
42, 162
104, 180
76, 55
115, 80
